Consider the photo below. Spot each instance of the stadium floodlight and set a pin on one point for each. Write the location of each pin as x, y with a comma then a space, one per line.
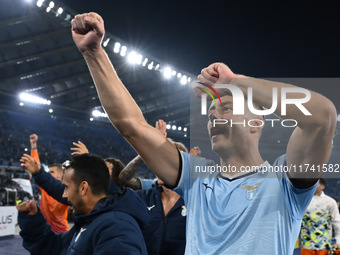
167, 72
106, 42
179, 128
48, 9
68, 17
184, 80
150, 66
40, 3
185, 129
145, 62
91, 119
157, 66
173, 73
97, 113
50, 110
132, 57
21, 104
51, 4
174, 127
179, 75
60, 10
116, 48
123, 51
33, 99
139, 59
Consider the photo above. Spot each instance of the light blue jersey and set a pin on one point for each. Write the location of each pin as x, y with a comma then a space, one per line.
147, 183
258, 214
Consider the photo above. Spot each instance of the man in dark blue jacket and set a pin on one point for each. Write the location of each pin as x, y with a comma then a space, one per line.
166, 232
103, 224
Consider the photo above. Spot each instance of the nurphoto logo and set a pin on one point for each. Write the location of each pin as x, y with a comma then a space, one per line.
239, 99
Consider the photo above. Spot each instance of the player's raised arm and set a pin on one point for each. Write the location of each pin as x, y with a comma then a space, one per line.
158, 153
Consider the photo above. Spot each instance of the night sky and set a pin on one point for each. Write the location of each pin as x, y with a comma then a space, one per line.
255, 38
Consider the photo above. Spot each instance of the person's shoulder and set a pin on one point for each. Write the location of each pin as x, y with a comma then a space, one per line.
113, 218
280, 161
329, 198
195, 160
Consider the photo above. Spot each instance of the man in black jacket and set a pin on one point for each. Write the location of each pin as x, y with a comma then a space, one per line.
102, 225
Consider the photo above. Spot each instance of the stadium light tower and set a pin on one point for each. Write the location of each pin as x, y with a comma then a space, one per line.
33, 99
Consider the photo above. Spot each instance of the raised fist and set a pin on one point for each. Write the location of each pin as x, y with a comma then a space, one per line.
28, 207
33, 139
88, 31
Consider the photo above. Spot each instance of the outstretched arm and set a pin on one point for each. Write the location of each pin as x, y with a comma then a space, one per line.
129, 171
46, 181
38, 238
34, 147
159, 154
311, 142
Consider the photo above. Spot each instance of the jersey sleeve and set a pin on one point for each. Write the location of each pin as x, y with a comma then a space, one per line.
35, 155
188, 173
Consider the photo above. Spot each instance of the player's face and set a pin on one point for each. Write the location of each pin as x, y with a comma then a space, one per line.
72, 194
53, 170
226, 138
319, 189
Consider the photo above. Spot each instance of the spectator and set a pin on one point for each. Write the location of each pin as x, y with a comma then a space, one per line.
54, 212
316, 228
166, 233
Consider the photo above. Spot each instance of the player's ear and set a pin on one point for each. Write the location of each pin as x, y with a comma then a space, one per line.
83, 188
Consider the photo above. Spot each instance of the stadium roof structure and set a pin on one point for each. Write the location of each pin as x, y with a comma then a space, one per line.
38, 57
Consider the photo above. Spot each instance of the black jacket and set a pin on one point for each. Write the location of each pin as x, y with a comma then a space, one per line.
107, 229
113, 226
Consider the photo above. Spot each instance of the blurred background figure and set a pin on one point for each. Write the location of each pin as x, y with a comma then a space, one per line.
54, 212
321, 218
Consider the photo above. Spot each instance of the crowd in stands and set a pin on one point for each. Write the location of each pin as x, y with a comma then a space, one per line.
56, 138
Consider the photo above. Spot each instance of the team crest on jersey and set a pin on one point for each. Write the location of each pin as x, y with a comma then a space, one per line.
184, 211
251, 190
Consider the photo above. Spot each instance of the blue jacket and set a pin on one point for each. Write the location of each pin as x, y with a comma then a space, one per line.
166, 234
112, 227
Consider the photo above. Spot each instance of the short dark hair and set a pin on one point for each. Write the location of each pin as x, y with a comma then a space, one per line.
92, 169
322, 181
118, 166
58, 166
